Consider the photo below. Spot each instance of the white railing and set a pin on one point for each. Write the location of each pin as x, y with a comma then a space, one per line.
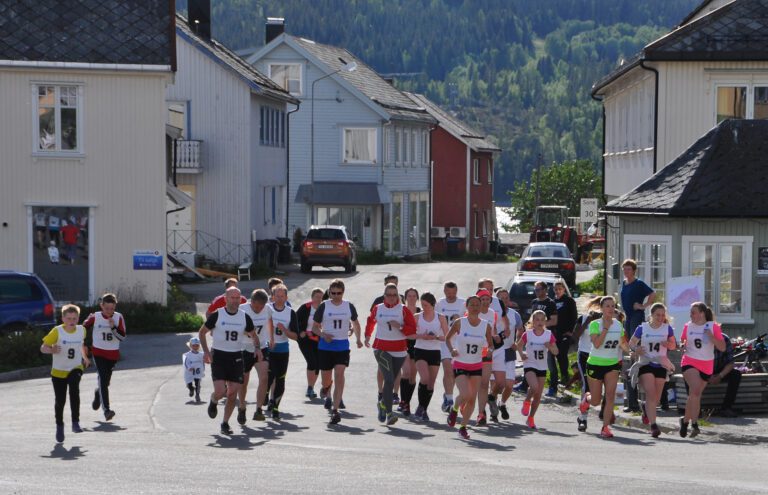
187, 155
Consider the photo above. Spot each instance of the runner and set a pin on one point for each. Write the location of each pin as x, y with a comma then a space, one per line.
504, 361
261, 316
194, 367
408, 373
651, 341
431, 329
106, 331
228, 326
581, 334
450, 307
308, 340
604, 362
700, 337
497, 327
471, 334
388, 279
286, 327
567, 315
220, 300
542, 302
331, 324
66, 343
393, 323
538, 341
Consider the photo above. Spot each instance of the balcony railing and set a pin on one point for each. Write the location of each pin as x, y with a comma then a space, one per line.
186, 156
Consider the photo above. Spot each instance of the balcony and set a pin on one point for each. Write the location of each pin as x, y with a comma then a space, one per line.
186, 156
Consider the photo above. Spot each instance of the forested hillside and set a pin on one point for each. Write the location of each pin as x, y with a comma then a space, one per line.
520, 70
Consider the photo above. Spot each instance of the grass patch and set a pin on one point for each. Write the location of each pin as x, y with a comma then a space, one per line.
471, 257
375, 257
594, 286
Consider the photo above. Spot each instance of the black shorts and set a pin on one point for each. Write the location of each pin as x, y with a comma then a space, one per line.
227, 366
459, 372
703, 375
330, 359
539, 373
411, 349
249, 359
598, 372
41, 229
308, 348
656, 371
431, 357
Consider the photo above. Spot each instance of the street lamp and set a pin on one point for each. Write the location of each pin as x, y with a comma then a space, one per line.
346, 67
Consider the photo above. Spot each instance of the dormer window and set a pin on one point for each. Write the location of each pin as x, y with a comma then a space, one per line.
287, 76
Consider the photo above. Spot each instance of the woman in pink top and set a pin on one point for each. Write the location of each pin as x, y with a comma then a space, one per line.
700, 337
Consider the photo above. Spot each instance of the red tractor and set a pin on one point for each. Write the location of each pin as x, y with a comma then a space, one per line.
552, 224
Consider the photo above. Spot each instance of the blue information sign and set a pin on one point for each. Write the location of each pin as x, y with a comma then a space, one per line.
147, 260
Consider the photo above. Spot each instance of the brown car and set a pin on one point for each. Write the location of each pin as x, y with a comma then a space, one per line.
328, 245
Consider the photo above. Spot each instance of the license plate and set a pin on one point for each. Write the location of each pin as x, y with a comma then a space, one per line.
550, 265
324, 246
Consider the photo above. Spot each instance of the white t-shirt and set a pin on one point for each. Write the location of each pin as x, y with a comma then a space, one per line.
424, 327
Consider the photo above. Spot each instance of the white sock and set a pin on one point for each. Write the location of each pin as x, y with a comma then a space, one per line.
449, 397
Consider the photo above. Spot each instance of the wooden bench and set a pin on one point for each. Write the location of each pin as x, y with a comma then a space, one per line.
752, 396
244, 270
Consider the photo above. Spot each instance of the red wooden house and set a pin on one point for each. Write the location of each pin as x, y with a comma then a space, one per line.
461, 184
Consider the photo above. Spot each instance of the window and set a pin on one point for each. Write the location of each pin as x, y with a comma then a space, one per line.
270, 205
476, 172
652, 254
741, 101
353, 218
477, 223
177, 116
287, 76
272, 130
418, 214
398, 146
406, 139
485, 223
386, 145
489, 165
725, 264
359, 145
59, 117
425, 148
397, 221
413, 148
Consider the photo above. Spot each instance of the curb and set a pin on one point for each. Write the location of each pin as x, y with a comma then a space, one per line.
25, 374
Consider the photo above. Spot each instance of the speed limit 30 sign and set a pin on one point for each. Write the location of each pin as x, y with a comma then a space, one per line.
589, 210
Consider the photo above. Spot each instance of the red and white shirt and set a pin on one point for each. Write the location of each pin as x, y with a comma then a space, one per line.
387, 337
105, 339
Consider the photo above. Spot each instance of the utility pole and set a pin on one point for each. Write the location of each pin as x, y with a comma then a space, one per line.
538, 179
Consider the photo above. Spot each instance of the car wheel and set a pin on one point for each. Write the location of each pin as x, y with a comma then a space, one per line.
306, 268
349, 267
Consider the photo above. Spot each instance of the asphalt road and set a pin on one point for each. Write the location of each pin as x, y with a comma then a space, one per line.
159, 442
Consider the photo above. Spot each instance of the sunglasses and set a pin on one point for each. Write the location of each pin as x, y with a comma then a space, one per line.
336, 293
391, 295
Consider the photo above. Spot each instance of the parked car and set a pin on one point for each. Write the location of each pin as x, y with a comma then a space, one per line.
328, 245
24, 301
521, 289
549, 257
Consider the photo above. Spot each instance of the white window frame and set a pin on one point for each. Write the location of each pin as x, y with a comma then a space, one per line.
386, 150
425, 148
344, 146
747, 272
58, 152
489, 169
398, 146
646, 264
476, 171
405, 144
289, 64
749, 82
414, 148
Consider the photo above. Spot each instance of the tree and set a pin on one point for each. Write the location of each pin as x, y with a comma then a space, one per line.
560, 184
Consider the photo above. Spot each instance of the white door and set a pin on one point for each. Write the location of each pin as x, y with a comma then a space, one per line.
181, 224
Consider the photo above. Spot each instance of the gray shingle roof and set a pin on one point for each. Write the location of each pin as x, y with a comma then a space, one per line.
723, 174
367, 81
227, 58
473, 138
135, 32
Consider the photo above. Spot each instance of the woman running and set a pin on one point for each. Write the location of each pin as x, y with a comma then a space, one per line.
494, 319
465, 340
408, 373
539, 342
431, 329
604, 362
308, 340
700, 337
651, 341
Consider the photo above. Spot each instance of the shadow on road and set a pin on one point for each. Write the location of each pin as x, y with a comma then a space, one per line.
263, 434
480, 444
107, 427
238, 442
350, 430
60, 452
409, 434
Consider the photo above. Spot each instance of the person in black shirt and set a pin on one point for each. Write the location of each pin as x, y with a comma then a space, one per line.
724, 371
542, 302
566, 320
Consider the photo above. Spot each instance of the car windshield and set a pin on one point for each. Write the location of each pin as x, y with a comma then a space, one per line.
16, 289
327, 234
524, 290
548, 252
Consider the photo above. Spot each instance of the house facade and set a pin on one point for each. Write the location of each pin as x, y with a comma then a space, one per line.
462, 183
82, 137
359, 148
231, 153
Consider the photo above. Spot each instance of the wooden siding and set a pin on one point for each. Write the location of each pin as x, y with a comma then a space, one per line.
122, 175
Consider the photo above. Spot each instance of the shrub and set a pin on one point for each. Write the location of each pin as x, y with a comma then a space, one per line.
22, 350
375, 257
594, 286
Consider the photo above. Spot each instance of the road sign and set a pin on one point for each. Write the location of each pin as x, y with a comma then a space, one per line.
589, 210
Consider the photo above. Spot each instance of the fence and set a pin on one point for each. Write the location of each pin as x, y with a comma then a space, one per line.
208, 245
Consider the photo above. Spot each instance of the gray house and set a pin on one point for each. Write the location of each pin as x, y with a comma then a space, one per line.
359, 148
704, 214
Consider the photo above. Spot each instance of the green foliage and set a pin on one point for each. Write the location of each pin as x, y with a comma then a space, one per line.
559, 184
141, 318
471, 257
22, 350
375, 257
593, 286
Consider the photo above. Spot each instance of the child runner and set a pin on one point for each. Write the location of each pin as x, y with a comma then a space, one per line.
538, 341
450, 307
286, 328
431, 329
604, 362
408, 373
254, 356
194, 367
505, 357
701, 335
66, 343
581, 334
106, 331
308, 340
471, 334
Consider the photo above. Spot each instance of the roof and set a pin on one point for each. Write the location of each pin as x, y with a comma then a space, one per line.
469, 136
723, 174
737, 31
133, 32
342, 193
225, 57
364, 79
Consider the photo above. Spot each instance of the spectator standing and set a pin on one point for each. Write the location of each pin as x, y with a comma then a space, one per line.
636, 295
725, 371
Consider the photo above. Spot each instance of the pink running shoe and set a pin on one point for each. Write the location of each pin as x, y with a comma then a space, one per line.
584, 406
529, 422
463, 433
606, 432
452, 417
526, 408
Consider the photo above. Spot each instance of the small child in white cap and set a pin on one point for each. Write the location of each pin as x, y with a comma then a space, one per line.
194, 367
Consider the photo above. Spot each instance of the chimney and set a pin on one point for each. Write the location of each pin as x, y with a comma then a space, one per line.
200, 18
275, 27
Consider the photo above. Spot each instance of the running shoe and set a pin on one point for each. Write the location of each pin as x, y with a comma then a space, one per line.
450, 405
96, 404
391, 419
584, 406
212, 408
425, 416
225, 429
323, 392
310, 393
341, 404
259, 415
481, 421
241, 417
59, 433
395, 399
582, 424
503, 411
191, 390
695, 429
452, 417
328, 402
419, 412
335, 418
400, 406
526, 408
646, 421
606, 432
463, 433
381, 409
529, 423
655, 430
551, 393
444, 406
275, 414
76, 427
683, 428
197, 396
406, 409
493, 405
109, 414
494, 418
